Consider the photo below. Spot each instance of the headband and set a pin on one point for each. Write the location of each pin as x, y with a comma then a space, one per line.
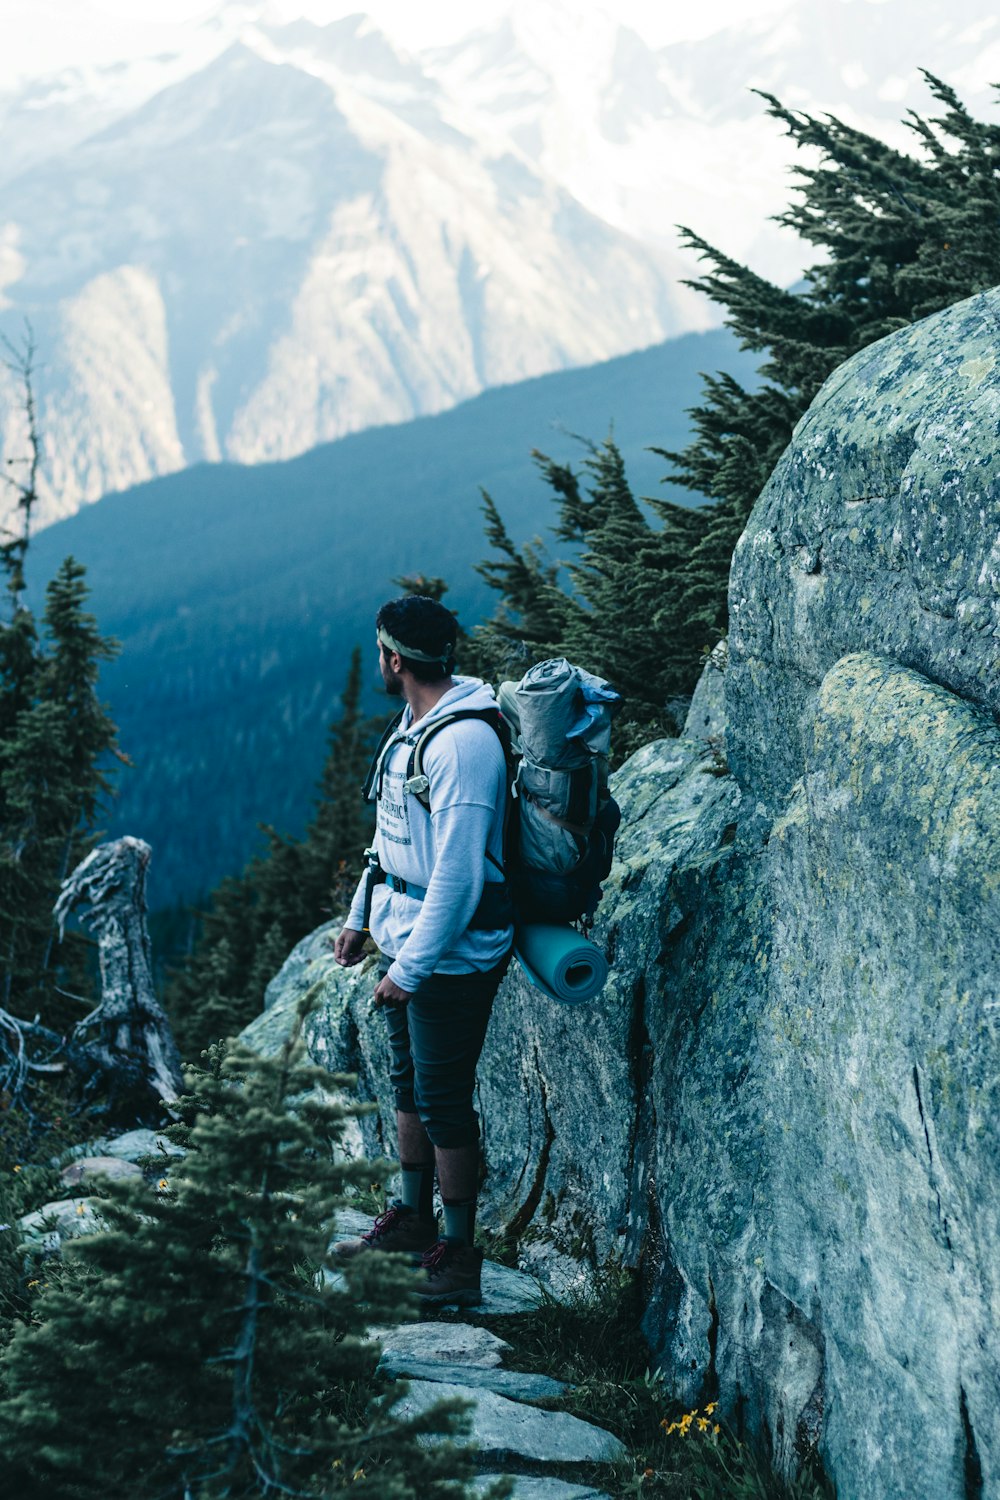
444, 657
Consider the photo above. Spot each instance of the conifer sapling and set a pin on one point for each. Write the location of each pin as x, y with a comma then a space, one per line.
197, 1348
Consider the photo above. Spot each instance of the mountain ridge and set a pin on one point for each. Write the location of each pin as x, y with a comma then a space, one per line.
320, 265
396, 229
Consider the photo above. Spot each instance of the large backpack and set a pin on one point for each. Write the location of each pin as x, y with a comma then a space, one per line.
554, 727
562, 841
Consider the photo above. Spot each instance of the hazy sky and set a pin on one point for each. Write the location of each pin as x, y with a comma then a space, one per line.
40, 36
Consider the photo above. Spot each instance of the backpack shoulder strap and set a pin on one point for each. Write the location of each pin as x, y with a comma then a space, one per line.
375, 769
417, 783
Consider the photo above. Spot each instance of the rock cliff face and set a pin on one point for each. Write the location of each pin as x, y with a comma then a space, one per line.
783, 1107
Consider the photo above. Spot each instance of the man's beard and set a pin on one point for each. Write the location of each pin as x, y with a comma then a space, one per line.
393, 681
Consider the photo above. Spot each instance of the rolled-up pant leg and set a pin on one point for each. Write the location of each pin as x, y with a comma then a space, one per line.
436, 1040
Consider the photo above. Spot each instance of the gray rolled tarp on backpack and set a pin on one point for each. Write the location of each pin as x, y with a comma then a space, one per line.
563, 713
547, 704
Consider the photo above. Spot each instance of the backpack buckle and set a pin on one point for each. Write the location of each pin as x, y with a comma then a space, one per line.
416, 785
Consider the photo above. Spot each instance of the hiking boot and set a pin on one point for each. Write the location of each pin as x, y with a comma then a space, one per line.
398, 1229
452, 1276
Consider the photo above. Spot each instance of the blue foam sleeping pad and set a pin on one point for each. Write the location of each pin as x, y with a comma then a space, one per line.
559, 962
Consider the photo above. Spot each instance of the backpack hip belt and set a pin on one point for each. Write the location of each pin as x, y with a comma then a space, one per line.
495, 909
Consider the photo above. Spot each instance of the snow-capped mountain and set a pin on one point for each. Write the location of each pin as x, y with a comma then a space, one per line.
647, 138
289, 232
292, 244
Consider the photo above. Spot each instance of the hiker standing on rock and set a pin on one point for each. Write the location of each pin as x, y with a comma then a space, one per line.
435, 900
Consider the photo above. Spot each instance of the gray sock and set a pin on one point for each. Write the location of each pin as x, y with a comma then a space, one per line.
417, 1190
460, 1220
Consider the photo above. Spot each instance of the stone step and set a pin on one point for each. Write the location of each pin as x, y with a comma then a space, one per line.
502, 1428
450, 1343
530, 1488
505, 1292
48, 1227
515, 1384
136, 1143
89, 1167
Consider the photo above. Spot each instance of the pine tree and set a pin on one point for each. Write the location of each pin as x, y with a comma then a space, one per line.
53, 775
254, 919
342, 824
55, 737
902, 236
68, 676
195, 1349
622, 619
532, 617
19, 653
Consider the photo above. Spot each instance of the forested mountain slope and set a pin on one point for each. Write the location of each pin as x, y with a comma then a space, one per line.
237, 592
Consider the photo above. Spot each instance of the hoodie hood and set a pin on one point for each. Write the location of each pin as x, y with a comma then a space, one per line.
468, 692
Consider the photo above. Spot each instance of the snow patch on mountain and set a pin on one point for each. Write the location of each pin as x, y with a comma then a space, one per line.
105, 372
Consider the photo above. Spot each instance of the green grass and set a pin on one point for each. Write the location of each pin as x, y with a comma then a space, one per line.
593, 1341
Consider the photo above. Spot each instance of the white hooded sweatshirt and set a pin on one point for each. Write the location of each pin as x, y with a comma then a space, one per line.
443, 850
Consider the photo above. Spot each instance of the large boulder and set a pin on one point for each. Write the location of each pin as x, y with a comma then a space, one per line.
852, 1286
826, 1084
782, 1109
878, 531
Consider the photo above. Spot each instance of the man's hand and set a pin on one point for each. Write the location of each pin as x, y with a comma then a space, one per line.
349, 947
387, 992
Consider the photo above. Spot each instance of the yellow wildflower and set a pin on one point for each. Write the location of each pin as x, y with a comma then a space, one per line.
685, 1423
358, 1474
703, 1424
710, 1408
36, 1282
80, 1208
17, 1169
162, 1185
716, 1430
338, 1463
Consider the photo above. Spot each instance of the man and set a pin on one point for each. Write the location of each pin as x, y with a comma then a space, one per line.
436, 905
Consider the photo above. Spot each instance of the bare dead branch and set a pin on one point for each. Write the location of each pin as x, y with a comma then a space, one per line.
21, 361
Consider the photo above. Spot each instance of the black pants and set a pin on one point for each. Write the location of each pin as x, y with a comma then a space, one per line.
436, 1040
